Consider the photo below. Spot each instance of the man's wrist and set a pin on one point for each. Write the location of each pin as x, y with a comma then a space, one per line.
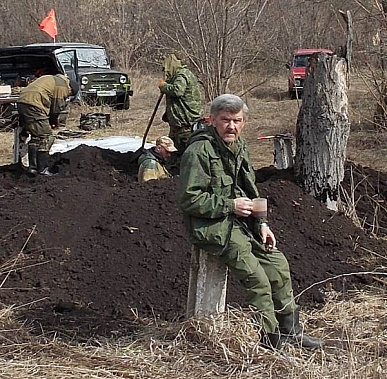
264, 224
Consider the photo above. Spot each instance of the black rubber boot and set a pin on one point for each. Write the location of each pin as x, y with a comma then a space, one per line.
290, 330
32, 170
271, 341
42, 163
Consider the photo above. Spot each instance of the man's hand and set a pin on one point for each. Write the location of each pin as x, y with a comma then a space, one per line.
161, 83
54, 122
243, 206
268, 238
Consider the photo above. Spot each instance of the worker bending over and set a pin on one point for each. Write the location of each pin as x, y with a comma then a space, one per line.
39, 107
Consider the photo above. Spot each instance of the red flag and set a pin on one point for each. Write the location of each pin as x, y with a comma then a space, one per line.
48, 24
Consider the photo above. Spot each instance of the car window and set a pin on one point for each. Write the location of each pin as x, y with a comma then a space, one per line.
92, 57
67, 60
300, 60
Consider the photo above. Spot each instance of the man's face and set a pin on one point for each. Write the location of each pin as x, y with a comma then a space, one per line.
164, 153
229, 125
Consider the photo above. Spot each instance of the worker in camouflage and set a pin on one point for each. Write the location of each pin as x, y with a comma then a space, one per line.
39, 106
183, 100
216, 188
152, 161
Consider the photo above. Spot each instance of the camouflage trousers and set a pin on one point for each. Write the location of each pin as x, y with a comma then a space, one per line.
264, 275
179, 135
35, 122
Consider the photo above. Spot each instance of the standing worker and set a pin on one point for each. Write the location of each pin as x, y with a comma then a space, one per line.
152, 161
183, 100
39, 106
217, 185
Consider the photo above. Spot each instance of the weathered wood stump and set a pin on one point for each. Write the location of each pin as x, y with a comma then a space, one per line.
283, 151
207, 284
323, 128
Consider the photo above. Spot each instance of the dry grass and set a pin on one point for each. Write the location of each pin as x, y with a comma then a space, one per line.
226, 346
349, 204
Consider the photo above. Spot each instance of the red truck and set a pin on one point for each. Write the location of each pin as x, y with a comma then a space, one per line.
297, 70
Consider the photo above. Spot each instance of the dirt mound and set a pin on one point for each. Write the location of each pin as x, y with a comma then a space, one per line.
93, 244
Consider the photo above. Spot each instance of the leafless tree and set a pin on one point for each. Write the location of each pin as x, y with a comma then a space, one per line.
229, 43
219, 38
376, 75
121, 26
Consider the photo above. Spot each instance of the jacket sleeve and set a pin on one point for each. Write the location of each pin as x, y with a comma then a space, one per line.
148, 170
146, 174
60, 94
177, 88
198, 194
57, 106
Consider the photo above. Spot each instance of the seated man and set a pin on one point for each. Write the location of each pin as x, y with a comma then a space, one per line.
217, 185
152, 161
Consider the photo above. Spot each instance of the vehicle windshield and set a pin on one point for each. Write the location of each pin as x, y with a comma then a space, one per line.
300, 60
88, 57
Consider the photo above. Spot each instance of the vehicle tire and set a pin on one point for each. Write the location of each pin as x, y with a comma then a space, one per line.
123, 102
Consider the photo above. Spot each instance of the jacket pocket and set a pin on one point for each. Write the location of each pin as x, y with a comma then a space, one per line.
222, 185
210, 234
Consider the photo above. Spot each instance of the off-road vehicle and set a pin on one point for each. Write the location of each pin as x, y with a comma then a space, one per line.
89, 64
297, 70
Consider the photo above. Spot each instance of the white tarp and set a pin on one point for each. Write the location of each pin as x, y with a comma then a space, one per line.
121, 144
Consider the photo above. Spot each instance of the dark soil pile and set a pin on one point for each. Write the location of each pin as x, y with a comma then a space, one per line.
91, 246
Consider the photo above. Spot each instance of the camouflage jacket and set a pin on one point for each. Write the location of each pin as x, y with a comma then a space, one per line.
151, 166
211, 176
48, 93
183, 100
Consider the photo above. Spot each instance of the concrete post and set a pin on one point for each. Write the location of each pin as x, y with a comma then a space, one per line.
207, 284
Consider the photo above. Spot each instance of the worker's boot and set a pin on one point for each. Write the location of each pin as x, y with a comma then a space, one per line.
32, 170
42, 161
291, 330
271, 341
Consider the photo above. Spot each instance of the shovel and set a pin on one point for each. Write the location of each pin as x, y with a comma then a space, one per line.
139, 151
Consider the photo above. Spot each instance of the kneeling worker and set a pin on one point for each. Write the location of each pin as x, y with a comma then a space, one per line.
39, 106
152, 161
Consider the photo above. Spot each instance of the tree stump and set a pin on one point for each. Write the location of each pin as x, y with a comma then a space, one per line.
283, 151
207, 284
323, 128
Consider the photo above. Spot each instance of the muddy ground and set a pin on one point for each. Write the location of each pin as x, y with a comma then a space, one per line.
90, 249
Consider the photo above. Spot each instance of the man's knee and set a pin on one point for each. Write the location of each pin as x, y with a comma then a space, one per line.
246, 268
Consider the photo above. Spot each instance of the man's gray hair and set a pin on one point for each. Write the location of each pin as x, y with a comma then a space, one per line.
229, 103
